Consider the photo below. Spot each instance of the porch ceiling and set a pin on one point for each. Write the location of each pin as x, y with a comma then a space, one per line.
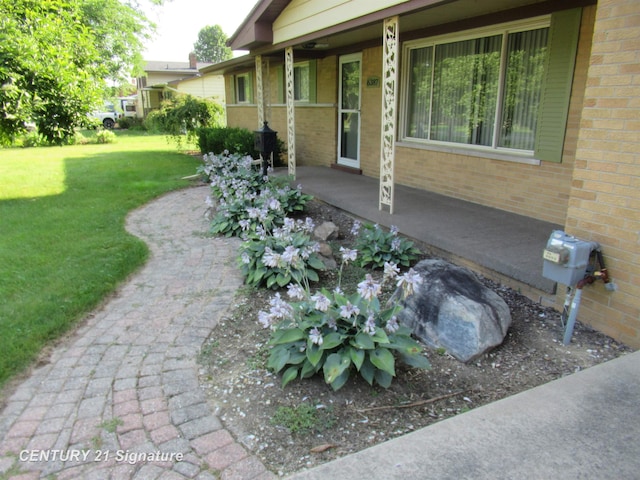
417, 18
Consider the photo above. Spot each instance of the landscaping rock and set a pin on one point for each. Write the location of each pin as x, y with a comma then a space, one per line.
327, 231
451, 309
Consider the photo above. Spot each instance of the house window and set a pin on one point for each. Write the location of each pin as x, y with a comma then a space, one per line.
301, 82
483, 90
243, 88
304, 82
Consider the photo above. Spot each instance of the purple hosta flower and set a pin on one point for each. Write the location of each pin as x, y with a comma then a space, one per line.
315, 336
308, 250
370, 325
395, 244
392, 325
261, 232
348, 255
331, 323
289, 225
309, 225
270, 258
291, 255
368, 288
253, 212
349, 310
245, 258
409, 282
244, 224
295, 291
355, 228
265, 319
338, 290
391, 271
273, 204
209, 201
393, 230
322, 303
279, 308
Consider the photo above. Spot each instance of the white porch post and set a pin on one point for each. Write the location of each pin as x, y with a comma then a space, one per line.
390, 63
291, 120
260, 90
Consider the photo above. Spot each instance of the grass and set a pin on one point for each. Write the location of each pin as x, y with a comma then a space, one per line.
63, 246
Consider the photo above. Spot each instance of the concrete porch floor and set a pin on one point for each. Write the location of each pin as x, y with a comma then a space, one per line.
498, 244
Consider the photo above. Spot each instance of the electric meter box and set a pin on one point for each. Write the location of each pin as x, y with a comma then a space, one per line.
566, 258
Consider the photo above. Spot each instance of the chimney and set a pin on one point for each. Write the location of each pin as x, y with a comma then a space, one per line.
193, 61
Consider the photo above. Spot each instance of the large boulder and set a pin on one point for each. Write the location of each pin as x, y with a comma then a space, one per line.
452, 309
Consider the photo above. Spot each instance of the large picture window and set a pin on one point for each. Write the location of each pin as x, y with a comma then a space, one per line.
483, 90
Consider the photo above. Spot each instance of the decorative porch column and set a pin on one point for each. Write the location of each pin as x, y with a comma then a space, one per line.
291, 120
260, 90
390, 62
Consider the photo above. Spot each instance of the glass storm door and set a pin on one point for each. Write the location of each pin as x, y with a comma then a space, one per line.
349, 111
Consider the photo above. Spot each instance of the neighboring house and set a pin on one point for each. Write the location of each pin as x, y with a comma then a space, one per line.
527, 106
164, 79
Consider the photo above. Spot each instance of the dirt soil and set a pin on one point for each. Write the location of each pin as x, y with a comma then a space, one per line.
249, 399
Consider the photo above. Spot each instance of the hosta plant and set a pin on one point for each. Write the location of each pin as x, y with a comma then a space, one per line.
377, 246
286, 254
336, 334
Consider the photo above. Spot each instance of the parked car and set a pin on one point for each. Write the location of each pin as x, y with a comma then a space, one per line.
107, 118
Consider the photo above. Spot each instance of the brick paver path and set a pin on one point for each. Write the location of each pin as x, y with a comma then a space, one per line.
120, 398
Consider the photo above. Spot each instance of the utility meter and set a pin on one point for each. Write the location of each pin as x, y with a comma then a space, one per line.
566, 258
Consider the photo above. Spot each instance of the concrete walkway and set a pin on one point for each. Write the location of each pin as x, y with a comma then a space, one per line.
126, 381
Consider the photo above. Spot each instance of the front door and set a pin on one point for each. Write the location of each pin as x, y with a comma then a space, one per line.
349, 111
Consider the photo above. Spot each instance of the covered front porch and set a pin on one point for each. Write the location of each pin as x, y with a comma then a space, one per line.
501, 245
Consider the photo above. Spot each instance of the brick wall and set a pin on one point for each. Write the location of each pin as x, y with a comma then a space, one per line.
604, 205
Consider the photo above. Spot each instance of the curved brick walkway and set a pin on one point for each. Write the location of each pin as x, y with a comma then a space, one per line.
126, 382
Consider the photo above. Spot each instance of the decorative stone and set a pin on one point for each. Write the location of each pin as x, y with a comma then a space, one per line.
453, 310
326, 254
326, 231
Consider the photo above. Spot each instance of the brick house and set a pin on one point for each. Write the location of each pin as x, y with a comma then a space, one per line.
531, 107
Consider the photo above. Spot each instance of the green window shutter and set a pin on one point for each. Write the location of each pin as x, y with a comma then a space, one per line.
313, 86
554, 107
280, 87
252, 87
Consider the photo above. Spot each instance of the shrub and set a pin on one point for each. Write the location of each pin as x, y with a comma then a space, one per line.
34, 139
377, 246
334, 333
185, 115
231, 139
105, 136
234, 140
126, 123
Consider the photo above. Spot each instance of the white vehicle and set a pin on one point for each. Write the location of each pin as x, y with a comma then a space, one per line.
128, 106
107, 117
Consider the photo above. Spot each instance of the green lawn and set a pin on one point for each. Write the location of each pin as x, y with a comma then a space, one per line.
63, 246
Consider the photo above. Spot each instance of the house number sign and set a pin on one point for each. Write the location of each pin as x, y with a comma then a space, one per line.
373, 82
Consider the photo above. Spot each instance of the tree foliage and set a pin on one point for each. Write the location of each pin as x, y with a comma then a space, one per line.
212, 45
185, 115
56, 57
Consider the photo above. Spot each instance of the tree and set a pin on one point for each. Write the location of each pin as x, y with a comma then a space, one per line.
212, 45
56, 57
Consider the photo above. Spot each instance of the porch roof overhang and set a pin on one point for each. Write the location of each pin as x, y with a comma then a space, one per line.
418, 18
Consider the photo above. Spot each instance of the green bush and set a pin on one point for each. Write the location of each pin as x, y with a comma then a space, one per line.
234, 140
231, 139
126, 123
185, 115
105, 136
